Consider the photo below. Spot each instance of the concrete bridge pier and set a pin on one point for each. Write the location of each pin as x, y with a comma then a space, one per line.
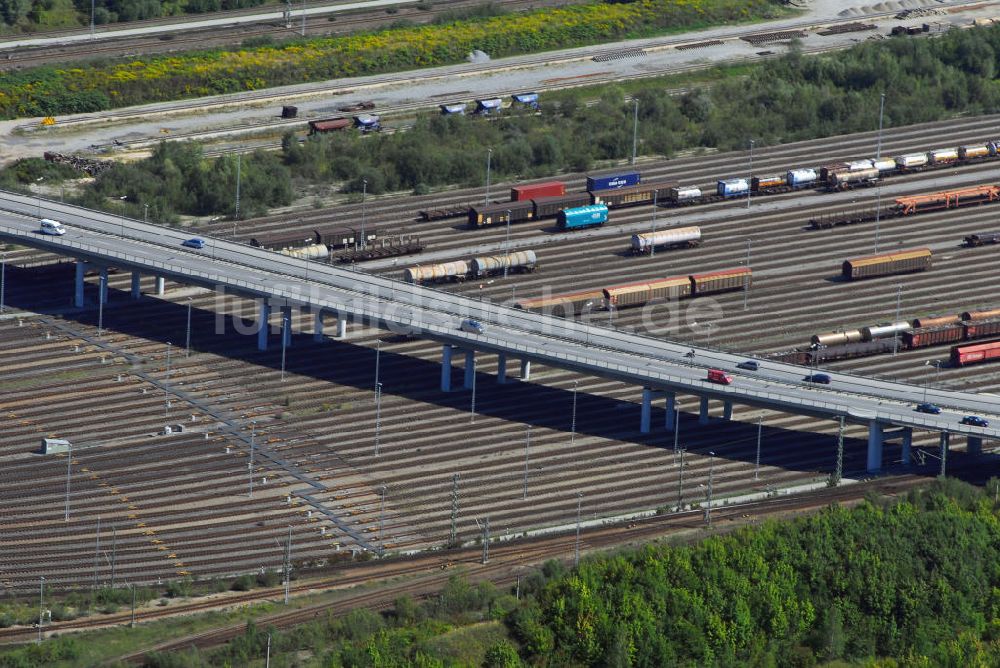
136, 288
671, 417
81, 268
263, 316
103, 286
470, 368
907, 454
703, 411
160, 285
974, 445
645, 417
727, 410
876, 438
502, 368
525, 369
341, 327
446, 368
318, 327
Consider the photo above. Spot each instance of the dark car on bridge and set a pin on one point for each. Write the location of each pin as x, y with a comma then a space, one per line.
748, 365
975, 421
818, 378
925, 407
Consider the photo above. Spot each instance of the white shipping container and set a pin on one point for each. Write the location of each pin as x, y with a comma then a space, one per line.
859, 164
798, 177
912, 160
884, 164
685, 193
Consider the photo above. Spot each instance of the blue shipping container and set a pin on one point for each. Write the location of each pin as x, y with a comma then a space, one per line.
583, 216
614, 181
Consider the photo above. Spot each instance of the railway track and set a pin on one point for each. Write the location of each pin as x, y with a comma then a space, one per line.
191, 493
427, 574
184, 39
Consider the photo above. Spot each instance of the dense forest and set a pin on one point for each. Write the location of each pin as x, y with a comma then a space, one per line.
913, 582
793, 98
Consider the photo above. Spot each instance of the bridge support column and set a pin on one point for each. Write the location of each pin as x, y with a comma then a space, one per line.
470, 368
671, 417
341, 327
502, 368
136, 289
907, 455
159, 285
286, 327
525, 369
945, 442
446, 368
974, 445
727, 410
263, 318
81, 267
103, 286
875, 440
703, 411
647, 410
318, 327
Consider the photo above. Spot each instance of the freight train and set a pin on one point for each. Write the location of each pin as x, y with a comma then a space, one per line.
640, 292
344, 244
478, 267
627, 189
917, 333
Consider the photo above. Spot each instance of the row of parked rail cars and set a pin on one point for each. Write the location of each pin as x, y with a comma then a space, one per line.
640, 292
477, 267
909, 335
340, 244
913, 204
627, 189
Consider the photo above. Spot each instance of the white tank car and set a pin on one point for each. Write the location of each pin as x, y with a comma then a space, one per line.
310, 252
454, 271
643, 242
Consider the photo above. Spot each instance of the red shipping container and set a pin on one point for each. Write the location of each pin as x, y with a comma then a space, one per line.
980, 352
547, 189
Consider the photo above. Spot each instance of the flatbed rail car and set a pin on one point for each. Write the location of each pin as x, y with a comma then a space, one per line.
428, 215
394, 246
898, 262
948, 199
982, 239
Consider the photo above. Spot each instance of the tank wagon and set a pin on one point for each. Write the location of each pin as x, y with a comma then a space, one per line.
435, 273
519, 261
681, 237
592, 215
899, 262
882, 331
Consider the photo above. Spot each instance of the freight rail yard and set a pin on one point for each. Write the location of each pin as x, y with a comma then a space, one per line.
353, 467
